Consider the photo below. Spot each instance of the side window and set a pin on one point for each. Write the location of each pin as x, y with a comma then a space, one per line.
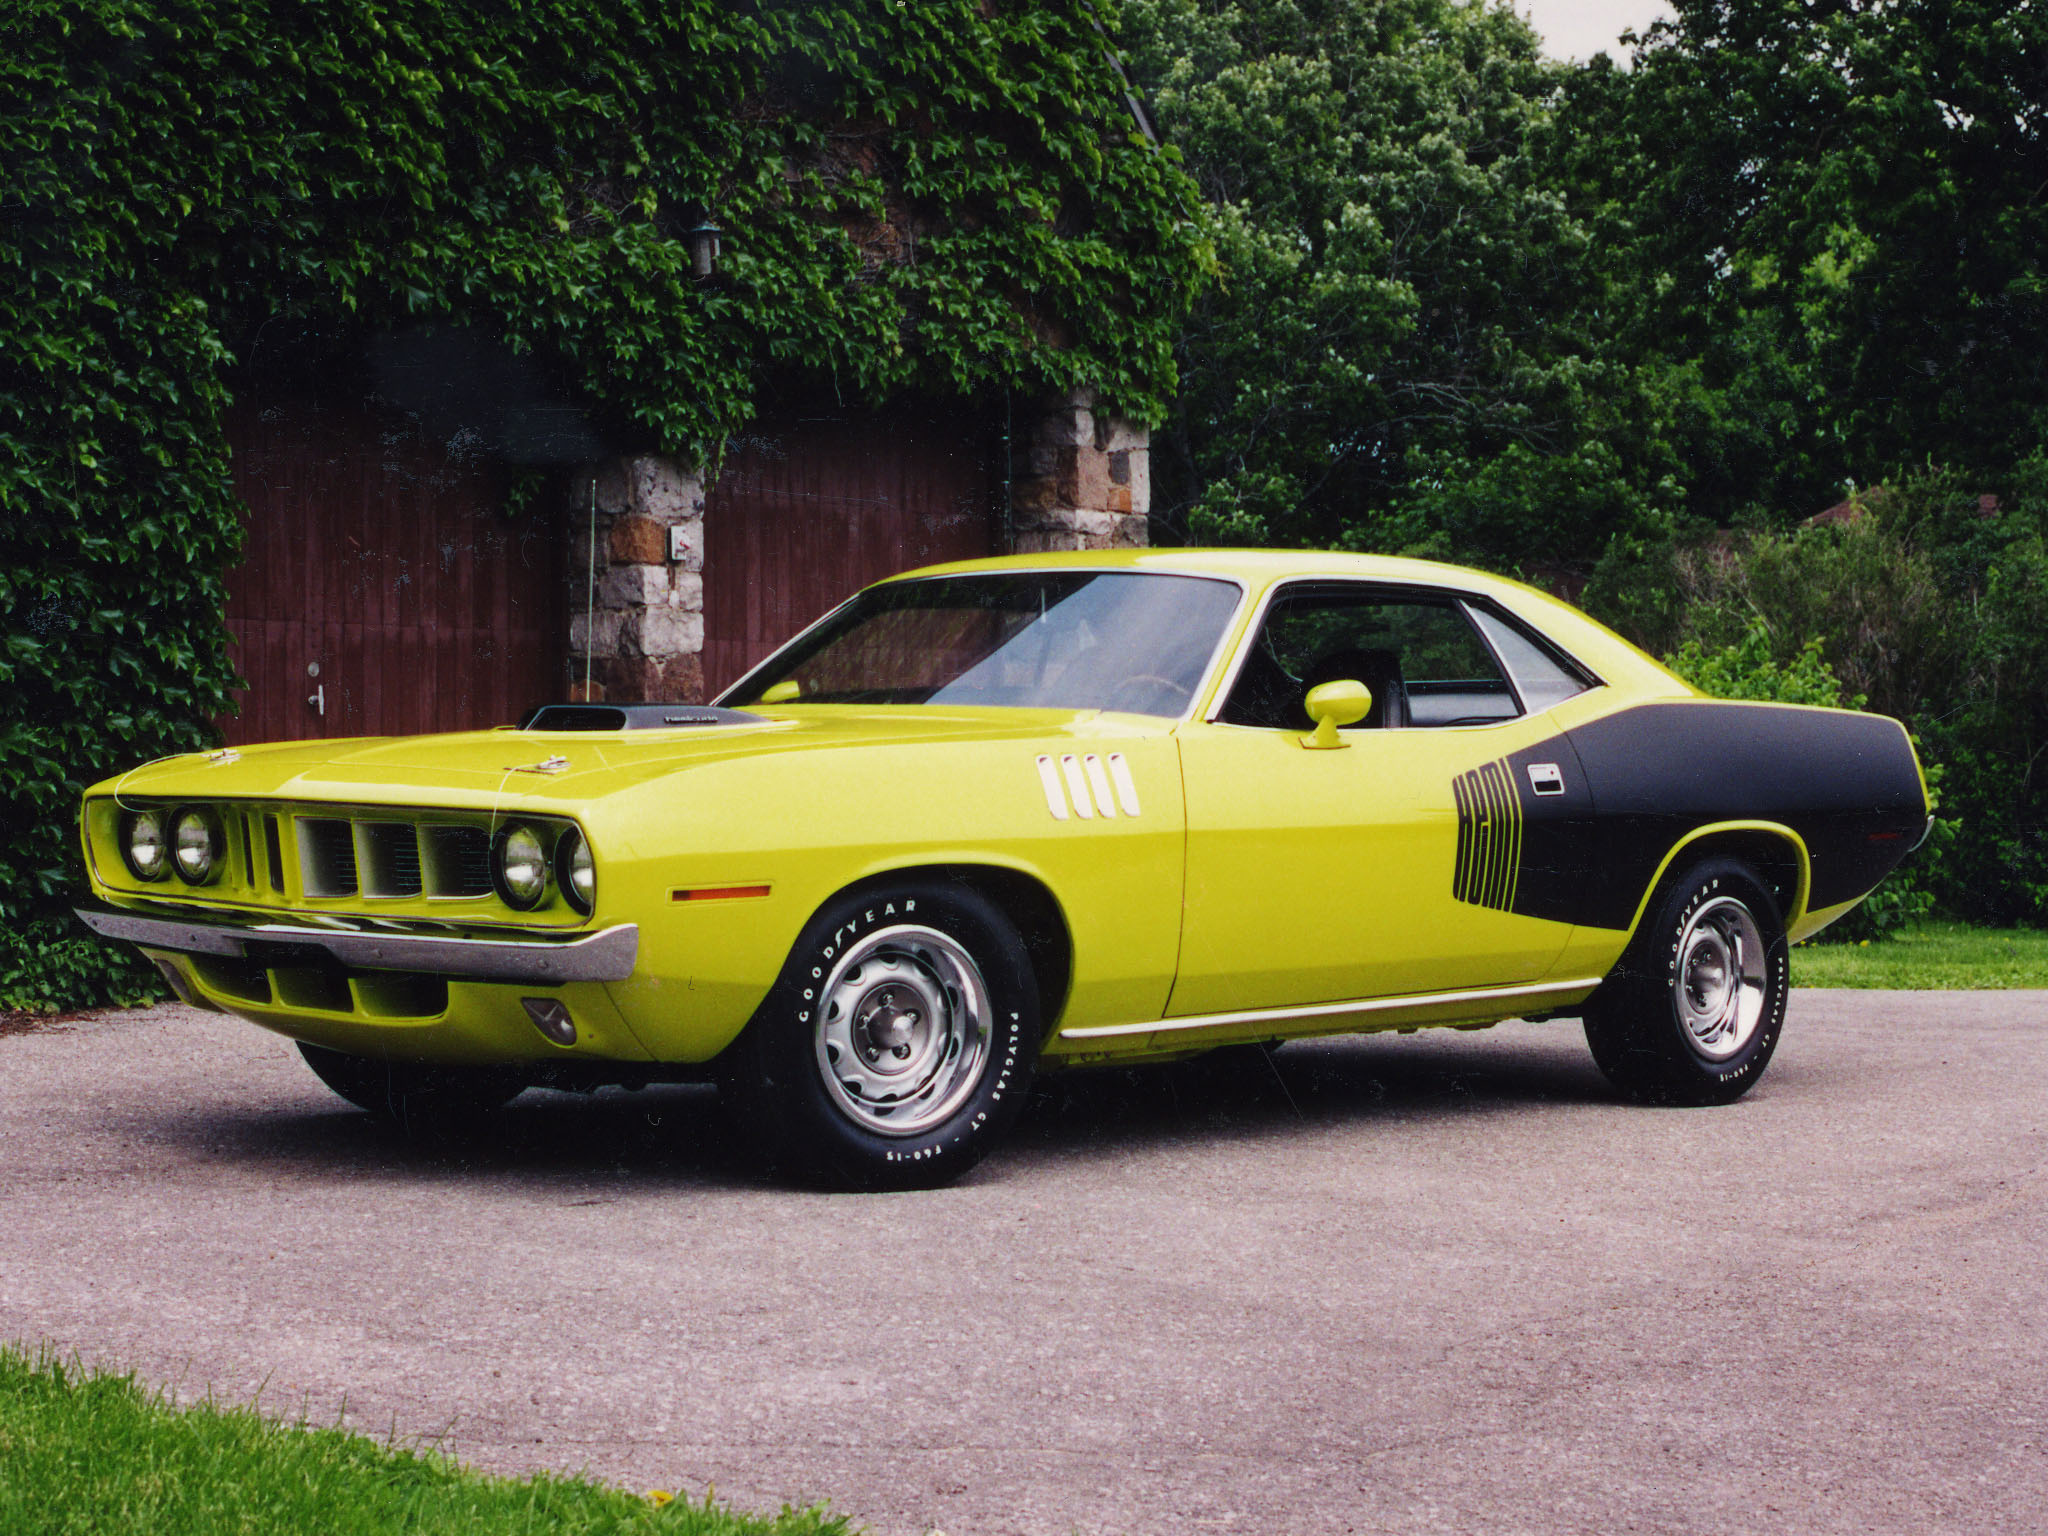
1420, 656
1540, 677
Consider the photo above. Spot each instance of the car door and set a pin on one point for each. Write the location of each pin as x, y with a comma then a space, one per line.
1387, 866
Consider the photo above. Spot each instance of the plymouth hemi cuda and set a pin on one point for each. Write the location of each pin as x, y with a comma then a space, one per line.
999, 817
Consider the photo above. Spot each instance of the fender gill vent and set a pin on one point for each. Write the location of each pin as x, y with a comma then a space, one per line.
1087, 785
1489, 837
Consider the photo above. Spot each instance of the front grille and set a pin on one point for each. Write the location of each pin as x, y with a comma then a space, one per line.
389, 858
273, 848
327, 857
397, 861
392, 858
458, 861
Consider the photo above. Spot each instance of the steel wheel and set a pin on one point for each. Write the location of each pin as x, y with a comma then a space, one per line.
1692, 1011
1719, 992
903, 1030
898, 1045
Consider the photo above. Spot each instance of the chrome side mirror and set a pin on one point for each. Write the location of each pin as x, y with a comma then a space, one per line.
1344, 702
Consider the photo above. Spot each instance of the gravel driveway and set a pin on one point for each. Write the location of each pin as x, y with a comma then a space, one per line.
1435, 1283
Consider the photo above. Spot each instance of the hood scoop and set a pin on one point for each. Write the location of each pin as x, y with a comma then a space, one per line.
632, 717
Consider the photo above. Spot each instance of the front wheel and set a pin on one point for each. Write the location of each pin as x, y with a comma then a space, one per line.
1694, 1008
898, 1045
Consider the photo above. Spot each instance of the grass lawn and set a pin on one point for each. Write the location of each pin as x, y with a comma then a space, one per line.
1932, 955
83, 1454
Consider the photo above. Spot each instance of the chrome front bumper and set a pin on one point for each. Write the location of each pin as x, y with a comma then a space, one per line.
376, 945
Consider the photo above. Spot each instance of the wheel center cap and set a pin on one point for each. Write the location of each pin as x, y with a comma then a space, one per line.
886, 1024
1706, 975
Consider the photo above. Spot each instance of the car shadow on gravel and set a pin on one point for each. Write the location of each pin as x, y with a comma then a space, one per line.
667, 1136
1254, 1091
658, 1136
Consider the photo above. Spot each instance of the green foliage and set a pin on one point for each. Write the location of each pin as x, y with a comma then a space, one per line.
87, 1453
945, 196
1749, 670
1924, 956
1831, 213
1401, 351
51, 964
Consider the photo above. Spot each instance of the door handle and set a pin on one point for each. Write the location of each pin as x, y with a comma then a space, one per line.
318, 699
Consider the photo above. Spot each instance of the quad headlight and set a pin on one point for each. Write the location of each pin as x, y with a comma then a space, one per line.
145, 844
519, 867
575, 873
197, 846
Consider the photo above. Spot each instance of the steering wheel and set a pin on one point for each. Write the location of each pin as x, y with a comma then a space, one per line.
1179, 693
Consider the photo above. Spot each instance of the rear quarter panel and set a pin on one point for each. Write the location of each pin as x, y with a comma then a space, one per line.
1840, 791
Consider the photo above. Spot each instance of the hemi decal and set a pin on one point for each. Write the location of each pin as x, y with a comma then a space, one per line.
717, 892
1489, 837
1089, 785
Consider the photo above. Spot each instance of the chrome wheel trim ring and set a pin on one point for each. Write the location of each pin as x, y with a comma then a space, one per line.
1719, 983
905, 1030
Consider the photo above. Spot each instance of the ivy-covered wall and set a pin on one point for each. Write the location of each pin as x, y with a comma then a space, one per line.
948, 196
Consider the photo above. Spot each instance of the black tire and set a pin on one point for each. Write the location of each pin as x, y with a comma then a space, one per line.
898, 1045
1673, 1023
423, 1100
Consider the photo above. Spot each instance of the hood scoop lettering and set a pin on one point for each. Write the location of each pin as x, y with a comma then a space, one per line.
631, 717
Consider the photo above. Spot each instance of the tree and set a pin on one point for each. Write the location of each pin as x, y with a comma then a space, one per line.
1403, 346
1835, 209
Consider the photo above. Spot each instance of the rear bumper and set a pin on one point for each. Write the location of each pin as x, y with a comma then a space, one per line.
372, 945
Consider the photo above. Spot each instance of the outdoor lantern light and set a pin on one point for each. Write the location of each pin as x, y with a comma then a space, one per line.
703, 238
521, 867
144, 845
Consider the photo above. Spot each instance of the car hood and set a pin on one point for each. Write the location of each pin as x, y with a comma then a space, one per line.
494, 768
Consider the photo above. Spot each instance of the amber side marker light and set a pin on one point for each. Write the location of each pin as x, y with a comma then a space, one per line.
717, 892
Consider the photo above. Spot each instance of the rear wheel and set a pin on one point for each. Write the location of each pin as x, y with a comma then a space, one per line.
898, 1045
1694, 1008
422, 1099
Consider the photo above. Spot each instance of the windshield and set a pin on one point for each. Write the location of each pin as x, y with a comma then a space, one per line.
1132, 641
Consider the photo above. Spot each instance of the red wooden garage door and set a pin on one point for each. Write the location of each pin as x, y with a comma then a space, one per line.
807, 511
383, 590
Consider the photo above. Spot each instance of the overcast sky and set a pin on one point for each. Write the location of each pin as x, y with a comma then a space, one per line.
1578, 29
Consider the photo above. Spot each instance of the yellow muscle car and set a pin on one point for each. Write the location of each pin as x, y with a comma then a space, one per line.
997, 817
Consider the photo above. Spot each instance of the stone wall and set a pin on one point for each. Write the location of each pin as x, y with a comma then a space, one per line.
643, 638
1080, 479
